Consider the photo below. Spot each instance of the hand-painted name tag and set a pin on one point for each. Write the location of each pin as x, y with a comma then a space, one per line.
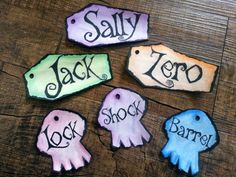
56, 76
121, 113
60, 137
160, 66
189, 133
101, 25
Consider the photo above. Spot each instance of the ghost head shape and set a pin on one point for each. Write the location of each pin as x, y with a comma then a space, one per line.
189, 133
121, 113
60, 137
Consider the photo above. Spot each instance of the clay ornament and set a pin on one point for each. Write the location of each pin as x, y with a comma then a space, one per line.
56, 76
189, 133
160, 66
97, 25
121, 113
60, 137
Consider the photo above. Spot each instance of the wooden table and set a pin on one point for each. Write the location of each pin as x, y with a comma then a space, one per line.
29, 29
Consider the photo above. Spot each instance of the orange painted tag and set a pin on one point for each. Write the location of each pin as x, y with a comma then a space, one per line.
160, 66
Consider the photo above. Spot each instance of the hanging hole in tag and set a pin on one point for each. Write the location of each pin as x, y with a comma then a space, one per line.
56, 118
136, 52
118, 96
31, 76
197, 118
73, 21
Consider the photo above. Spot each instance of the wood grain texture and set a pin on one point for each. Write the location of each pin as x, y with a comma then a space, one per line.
225, 105
204, 29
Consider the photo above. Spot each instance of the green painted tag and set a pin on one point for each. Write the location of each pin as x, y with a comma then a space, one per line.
56, 76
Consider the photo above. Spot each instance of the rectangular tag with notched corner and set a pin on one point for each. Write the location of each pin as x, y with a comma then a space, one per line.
57, 76
97, 25
160, 66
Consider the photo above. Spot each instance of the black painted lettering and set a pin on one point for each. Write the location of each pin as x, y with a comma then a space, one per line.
108, 32
165, 68
204, 140
68, 77
75, 72
122, 24
65, 135
129, 110
150, 71
188, 130
199, 75
137, 107
73, 130
52, 144
116, 25
108, 118
52, 86
93, 37
114, 117
181, 132
88, 68
209, 138
52, 139
196, 133
174, 128
188, 133
137, 16
121, 113
182, 66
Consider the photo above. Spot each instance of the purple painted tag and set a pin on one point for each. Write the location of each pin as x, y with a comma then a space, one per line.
60, 137
121, 113
97, 25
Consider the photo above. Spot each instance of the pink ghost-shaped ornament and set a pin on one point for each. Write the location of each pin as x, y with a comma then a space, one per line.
120, 113
60, 137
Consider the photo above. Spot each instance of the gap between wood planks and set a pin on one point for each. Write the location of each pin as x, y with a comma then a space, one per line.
220, 67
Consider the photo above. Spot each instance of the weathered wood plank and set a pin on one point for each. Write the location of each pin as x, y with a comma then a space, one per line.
225, 108
31, 28
26, 38
63, 5
219, 7
196, 33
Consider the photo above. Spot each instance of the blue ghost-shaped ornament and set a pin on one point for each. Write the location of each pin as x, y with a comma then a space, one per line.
189, 133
